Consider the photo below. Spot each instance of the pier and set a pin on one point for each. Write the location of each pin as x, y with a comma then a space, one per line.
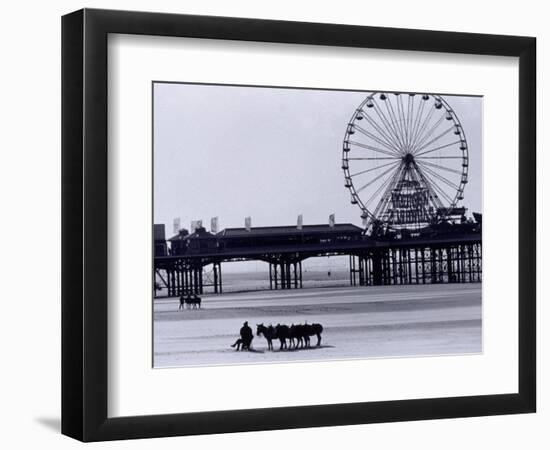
444, 254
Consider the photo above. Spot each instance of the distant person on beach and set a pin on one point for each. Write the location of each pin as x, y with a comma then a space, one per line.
246, 334
182, 302
244, 342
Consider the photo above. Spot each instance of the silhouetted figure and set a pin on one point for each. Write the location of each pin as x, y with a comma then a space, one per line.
246, 334
188, 301
245, 341
182, 302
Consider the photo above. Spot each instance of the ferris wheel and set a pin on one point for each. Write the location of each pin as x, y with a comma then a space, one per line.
405, 160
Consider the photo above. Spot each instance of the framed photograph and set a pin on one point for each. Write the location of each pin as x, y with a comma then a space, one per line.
273, 224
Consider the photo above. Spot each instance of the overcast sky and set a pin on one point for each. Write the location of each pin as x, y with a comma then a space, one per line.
267, 153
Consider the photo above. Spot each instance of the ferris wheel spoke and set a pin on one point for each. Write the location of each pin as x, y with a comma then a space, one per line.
429, 133
390, 142
401, 114
418, 120
370, 159
390, 125
423, 127
414, 178
431, 188
418, 155
375, 179
437, 166
410, 111
434, 187
431, 195
374, 149
406, 117
390, 184
439, 177
374, 168
447, 131
385, 185
383, 200
387, 125
405, 120
432, 174
422, 158
395, 121
374, 138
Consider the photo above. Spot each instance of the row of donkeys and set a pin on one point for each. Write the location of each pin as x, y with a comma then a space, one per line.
297, 336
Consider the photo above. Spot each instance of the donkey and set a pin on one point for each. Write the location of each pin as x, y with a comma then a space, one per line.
193, 302
296, 336
300, 334
315, 329
269, 334
283, 333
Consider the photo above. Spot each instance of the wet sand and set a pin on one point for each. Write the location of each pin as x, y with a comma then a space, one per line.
359, 322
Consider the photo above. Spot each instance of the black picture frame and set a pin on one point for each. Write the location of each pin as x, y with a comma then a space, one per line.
84, 224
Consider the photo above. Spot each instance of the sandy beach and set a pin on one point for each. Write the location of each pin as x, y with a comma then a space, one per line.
359, 322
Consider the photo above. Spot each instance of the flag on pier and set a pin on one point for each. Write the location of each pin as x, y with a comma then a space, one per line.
300, 221
195, 224
214, 225
331, 221
177, 225
248, 223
